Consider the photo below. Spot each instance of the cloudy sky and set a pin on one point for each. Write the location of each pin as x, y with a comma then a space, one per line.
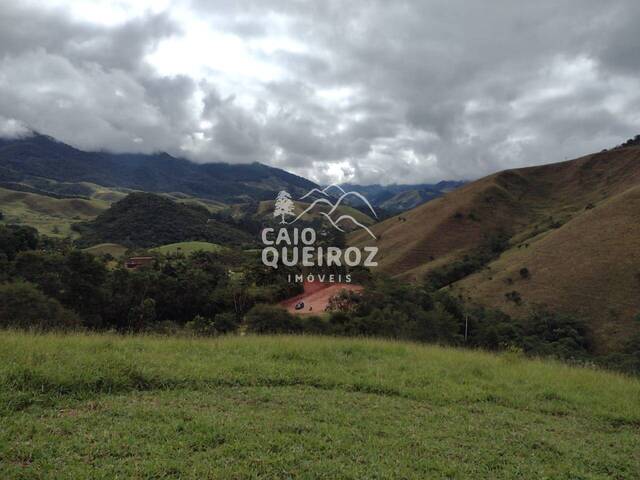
370, 91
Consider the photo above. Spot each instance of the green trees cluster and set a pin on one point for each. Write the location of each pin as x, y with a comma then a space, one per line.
24, 306
46, 284
210, 291
392, 309
468, 264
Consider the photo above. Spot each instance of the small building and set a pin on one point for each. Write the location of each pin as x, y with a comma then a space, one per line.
134, 263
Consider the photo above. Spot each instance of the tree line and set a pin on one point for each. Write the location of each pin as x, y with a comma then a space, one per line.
49, 284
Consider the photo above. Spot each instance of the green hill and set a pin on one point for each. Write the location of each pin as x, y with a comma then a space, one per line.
149, 220
112, 249
187, 248
106, 406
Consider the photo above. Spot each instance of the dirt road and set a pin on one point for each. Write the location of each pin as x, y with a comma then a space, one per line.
316, 297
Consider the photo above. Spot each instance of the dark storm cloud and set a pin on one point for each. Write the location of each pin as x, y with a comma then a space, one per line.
377, 91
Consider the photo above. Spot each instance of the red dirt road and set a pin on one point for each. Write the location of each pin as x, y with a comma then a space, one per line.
316, 297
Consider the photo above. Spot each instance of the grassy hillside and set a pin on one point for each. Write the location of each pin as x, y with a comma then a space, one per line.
187, 247
51, 216
397, 198
107, 248
101, 406
41, 203
574, 226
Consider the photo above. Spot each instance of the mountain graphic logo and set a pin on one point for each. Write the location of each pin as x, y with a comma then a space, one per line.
285, 206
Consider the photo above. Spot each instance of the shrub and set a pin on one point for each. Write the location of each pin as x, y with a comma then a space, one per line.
143, 314
514, 297
15, 239
23, 306
225, 322
524, 273
201, 326
316, 325
271, 319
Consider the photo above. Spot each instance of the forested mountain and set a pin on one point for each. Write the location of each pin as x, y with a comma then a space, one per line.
29, 159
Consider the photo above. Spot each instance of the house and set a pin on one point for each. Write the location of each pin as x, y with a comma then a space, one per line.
134, 263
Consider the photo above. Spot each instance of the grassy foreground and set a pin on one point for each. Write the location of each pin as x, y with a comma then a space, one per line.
103, 406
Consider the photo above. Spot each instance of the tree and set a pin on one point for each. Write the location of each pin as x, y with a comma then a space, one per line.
284, 206
23, 306
16, 238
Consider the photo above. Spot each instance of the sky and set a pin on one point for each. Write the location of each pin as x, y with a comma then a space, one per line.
361, 91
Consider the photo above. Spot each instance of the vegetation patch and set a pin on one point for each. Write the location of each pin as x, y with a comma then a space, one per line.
105, 406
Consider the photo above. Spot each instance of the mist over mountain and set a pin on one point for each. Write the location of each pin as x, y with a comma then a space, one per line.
27, 159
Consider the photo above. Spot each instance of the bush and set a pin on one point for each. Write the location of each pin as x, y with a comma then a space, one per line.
15, 239
142, 315
271, 319
23, 306
225, 322
201, 326
316, 325
514, 297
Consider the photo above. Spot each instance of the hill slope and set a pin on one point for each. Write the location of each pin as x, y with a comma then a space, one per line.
105, 406
574, 226
187, 248
36, 157
149, 220
398, 198
51, 216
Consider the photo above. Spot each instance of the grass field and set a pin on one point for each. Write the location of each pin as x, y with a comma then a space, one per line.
187, 248
51, 216
114, 249
104, 406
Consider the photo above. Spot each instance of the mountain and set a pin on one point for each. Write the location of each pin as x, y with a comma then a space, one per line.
398, 198
566, 235
149, 220
30, 159
265, 213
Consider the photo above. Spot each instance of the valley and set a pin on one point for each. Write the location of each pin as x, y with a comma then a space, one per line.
562, 237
